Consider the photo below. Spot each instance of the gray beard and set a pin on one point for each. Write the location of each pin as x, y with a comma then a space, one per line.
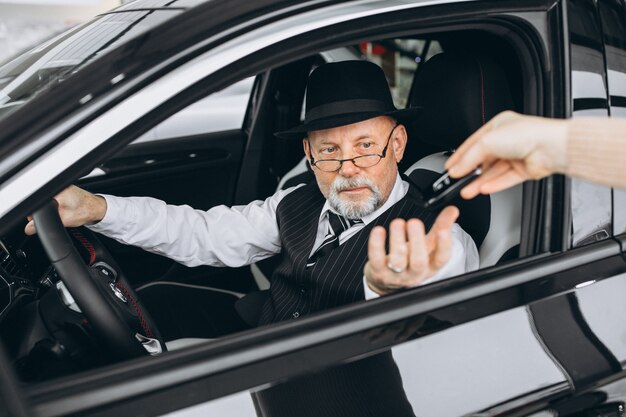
354, 209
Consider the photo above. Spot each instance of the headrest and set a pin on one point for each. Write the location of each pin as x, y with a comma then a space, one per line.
458, 94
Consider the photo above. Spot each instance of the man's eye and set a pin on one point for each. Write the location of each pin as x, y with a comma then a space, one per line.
366, 145
328, 150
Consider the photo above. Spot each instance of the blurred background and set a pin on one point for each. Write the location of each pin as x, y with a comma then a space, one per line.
25, 23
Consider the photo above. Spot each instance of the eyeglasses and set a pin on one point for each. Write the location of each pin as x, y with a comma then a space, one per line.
362, 161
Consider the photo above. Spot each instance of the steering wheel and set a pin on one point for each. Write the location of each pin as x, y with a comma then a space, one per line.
100, 289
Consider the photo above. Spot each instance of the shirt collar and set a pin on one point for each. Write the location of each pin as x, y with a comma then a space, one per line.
399, 190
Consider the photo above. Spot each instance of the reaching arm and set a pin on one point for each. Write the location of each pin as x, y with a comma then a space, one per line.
513, 148
221, 236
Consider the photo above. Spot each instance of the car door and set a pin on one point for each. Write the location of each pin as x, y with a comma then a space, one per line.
484, 343
599, 306
487, 300
558, 334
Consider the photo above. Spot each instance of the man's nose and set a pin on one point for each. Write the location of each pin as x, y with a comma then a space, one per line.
348, 169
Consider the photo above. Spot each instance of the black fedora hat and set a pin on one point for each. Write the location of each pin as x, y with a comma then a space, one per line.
347, 92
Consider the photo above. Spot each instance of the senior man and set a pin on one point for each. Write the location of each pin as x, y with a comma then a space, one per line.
353, 138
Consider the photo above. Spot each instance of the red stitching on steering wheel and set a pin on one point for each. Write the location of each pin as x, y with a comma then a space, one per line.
133, 301
83, 240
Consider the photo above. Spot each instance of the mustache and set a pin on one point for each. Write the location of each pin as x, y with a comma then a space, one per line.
342, 183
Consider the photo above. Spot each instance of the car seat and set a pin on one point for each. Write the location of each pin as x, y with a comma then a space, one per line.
460, 93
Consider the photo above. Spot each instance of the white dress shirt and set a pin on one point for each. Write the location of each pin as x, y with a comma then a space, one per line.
239, 235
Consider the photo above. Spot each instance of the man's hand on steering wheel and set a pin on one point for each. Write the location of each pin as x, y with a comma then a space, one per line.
77, 207
98, 286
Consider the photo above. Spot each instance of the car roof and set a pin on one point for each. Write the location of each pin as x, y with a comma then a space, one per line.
179, 25
158, 4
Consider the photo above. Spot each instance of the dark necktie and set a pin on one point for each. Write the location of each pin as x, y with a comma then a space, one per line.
337, 225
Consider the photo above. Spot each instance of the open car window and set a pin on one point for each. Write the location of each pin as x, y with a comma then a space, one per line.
483, 314
194, 150
203, 157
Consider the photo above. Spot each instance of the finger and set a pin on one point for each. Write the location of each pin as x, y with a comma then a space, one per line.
418, 254
445, 219
398, 248
377, 255
478, 135
476, 150
471, 158
444, 222
495, 170
442, 251
469, 143
501, 176
506, 180
29, 229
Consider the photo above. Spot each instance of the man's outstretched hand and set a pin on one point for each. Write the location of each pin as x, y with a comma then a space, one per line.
77, 207
413, 257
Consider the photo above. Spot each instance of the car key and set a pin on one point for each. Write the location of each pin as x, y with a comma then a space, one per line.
445, 189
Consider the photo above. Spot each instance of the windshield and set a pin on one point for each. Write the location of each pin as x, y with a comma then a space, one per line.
50, 63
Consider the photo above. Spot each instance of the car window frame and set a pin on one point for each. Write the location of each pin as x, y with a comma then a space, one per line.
252, 359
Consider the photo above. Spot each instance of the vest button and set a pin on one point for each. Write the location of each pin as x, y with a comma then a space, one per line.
296, 315
302, 290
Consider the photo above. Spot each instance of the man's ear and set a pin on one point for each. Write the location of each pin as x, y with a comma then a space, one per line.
400, 138
307, 151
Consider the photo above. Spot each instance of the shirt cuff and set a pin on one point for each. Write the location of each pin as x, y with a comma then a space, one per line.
369, 293
116, 211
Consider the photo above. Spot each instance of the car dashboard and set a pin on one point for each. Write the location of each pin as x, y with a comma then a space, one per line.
16, 278
7, 268
33, 318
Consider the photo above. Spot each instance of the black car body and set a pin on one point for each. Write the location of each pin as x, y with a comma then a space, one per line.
538, 332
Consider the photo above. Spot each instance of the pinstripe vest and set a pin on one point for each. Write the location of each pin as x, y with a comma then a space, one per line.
335, 279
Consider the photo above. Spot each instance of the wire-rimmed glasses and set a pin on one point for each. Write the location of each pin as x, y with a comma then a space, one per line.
361, 161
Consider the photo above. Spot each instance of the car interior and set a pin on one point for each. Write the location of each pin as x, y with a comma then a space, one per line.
462, 78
